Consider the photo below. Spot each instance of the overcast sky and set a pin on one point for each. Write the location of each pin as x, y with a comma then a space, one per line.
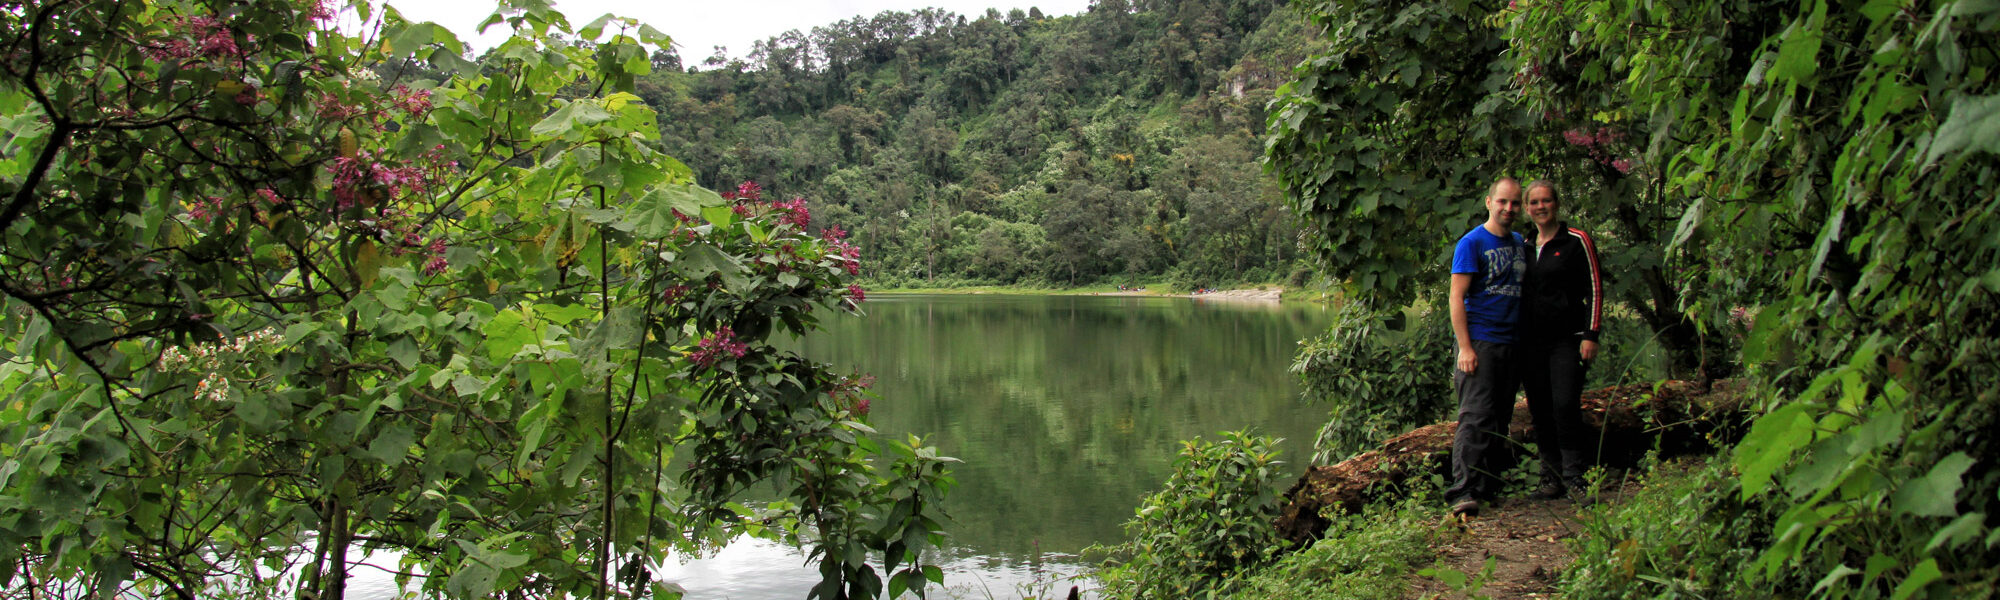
698, 26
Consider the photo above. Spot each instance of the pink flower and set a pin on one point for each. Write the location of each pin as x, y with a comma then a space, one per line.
833, 234
1622, 165
710, 350
435, 265
795, 212
321, 11
271, 196
220, 44
331, 108
749, 190
168, 50
415, 102
854, 293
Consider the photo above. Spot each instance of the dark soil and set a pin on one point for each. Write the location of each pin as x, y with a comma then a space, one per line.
1525, 540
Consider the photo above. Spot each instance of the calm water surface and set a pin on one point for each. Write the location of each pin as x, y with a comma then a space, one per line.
1065, 409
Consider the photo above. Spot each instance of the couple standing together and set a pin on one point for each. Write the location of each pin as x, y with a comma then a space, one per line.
1526, 314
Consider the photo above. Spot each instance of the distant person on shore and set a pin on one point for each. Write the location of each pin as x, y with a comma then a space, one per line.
1487, 269
1562, 311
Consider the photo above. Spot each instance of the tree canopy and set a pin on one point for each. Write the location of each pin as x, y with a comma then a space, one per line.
1795, 192
277, 294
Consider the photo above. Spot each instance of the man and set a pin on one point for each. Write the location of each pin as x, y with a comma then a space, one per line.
1562, 312
1487, 270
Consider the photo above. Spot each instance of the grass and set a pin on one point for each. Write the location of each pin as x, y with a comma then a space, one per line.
1362, 556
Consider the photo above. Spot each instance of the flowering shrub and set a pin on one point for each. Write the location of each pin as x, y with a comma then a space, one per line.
479, 341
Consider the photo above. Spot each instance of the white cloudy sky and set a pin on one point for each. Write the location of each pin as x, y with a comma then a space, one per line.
699, 26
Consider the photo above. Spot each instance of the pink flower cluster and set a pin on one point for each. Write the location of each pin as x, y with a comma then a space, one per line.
855, 294
747, 191
850, 390
674, 293
837, 242
206, 209
202, 36
353, 175
437, 263
321, 11
415, 102
1598, 144
795, 212
711, 349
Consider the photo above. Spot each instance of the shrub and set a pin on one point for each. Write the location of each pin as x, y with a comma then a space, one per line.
1361, 556
1214, 520
1686, 533
1378, 375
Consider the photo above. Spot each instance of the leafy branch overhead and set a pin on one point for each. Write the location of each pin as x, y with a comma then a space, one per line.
281, 295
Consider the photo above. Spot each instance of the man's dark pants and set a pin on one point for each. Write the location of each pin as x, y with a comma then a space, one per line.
1552, 372
1485, 406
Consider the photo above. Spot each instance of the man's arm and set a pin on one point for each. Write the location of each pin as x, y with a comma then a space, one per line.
1461, 328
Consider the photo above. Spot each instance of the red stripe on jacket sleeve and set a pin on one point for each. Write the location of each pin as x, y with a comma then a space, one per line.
1596, 280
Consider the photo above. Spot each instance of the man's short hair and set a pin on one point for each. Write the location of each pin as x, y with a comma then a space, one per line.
1494, 190
1554, 194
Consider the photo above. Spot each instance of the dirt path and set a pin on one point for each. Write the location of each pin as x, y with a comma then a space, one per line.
1525, 540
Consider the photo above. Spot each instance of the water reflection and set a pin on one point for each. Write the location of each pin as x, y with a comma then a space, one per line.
1067, 410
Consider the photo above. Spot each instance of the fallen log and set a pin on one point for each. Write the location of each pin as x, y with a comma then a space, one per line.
1676, 417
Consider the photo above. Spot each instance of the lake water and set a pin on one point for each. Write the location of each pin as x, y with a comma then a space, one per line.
1066, 410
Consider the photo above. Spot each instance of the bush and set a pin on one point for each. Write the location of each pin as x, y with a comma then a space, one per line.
1378, 375
1361, 556
1687, 533
1214, 520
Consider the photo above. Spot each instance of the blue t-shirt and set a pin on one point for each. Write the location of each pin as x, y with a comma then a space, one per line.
1497, 266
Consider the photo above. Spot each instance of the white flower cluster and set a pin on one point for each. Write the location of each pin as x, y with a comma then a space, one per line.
210, 357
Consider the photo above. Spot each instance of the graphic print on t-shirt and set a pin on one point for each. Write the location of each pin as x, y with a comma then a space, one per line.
1505, 257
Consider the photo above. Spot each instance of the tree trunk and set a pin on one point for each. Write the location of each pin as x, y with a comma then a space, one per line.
1677, 418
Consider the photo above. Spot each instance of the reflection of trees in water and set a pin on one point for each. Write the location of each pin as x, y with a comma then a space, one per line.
1069, 409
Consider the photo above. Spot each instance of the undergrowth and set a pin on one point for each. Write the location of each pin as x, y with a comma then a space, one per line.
1362, 556
1685, 534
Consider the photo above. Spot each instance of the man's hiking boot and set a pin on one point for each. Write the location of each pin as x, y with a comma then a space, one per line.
1548, 491
1465, 507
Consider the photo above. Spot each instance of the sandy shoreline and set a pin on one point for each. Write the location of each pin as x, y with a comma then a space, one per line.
1265, 295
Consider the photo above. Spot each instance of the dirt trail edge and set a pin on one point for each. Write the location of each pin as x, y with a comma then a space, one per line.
1676, 417
1524, 538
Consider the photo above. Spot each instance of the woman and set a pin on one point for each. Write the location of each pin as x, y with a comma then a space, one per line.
1562, 313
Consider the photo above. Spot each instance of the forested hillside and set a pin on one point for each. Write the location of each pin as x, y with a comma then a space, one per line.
1119, 144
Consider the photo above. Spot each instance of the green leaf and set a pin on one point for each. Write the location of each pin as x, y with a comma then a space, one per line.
720, 216
1920, 576
1690, 221
392, 444
404, 42
467, 385
1964, 529
590, 31
1770, 444
1936, 493
1798, 55
404, 352
702, 259
649, 35
578, 113
1973, 124
1839, 572
652, 215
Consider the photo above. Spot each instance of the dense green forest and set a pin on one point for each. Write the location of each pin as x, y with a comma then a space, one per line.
1796, 196
1117, 144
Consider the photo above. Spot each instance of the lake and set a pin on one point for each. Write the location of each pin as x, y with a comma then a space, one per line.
1066, 410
